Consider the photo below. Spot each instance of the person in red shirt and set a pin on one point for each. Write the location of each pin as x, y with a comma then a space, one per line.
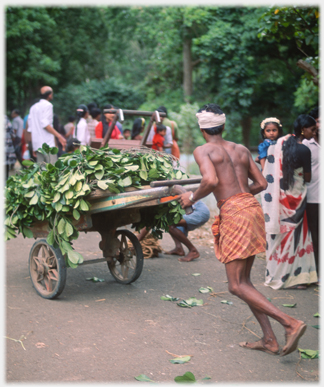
103, 125
158, 138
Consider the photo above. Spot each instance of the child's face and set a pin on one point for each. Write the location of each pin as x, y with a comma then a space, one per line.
163, 132
271, 132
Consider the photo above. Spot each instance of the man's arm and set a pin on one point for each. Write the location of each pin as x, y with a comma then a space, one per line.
259, 182
61, 139
209, 179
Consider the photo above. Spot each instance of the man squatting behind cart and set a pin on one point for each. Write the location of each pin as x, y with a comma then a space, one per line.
239, 230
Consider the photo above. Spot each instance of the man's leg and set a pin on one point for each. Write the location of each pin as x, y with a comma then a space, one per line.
178, 249
268, 340
240, 285
143, 233
180, 236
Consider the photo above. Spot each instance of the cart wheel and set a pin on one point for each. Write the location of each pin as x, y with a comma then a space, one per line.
47, 269
127, 266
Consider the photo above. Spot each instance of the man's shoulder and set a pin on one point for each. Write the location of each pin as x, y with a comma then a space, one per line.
44, 103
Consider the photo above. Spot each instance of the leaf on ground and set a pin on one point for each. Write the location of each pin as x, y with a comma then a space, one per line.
95, 279
206, 378
227, 302
180, 360
308, 353
316, 315
169, 298
188, 377
316, 326
195, 274
206, 290
143, 378
192, 301
289, 305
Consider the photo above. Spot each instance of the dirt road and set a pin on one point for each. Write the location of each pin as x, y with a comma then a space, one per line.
107, 332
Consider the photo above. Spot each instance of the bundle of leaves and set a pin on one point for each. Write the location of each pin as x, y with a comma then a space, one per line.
58, 193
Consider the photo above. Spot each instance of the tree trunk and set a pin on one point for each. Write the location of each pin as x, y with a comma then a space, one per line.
310, 69
187, 69
246, 123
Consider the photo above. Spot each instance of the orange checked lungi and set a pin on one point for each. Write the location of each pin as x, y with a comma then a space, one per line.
239, 230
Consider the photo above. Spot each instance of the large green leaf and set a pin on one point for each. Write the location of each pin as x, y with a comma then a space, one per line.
57, 197
50, 238
34, 200
102, 185
61, 226
75, 257
29, 194
68, 229
127, 181
27, 232
188, 377
76, 214
83, 205
99, 175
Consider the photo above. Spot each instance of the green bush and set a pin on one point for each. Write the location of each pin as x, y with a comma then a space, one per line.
101, 92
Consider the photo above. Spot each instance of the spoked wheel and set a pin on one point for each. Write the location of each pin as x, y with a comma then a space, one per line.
47, 269
127, 265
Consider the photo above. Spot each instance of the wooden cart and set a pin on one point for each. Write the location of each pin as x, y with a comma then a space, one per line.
124, 144
121, 248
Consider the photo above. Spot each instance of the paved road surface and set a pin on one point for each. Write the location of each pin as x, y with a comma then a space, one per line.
107, 332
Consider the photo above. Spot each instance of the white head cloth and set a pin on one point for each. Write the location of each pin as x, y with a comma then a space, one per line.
269, 119
208, 120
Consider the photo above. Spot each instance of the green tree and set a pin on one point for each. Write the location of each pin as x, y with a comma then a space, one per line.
57, 46
298, 25
29, 59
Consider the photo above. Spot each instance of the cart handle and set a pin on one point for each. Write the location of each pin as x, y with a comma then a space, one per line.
169, 183
178, 190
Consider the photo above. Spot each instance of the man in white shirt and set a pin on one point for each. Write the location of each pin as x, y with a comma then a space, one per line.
168, 141
312, 206
40, 124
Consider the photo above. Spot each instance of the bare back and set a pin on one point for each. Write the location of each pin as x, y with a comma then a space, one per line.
230, 165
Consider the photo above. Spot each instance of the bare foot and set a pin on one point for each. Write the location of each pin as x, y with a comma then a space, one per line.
293, 337
190, 256
175, 251
261, 346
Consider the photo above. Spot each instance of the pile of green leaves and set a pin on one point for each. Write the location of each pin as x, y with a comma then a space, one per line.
57, 193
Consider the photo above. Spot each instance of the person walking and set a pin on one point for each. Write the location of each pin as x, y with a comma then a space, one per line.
168, 141
9, 147
81, 131
18, 128
106, 120
137, 129
40, 125
239, 230
289, 255
313, 198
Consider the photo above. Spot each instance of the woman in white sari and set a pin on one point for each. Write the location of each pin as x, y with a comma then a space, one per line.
289, 253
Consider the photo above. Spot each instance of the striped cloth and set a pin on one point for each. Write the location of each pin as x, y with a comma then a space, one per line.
239, 230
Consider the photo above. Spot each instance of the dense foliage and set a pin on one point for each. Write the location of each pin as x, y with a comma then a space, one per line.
244, 58
58, 193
